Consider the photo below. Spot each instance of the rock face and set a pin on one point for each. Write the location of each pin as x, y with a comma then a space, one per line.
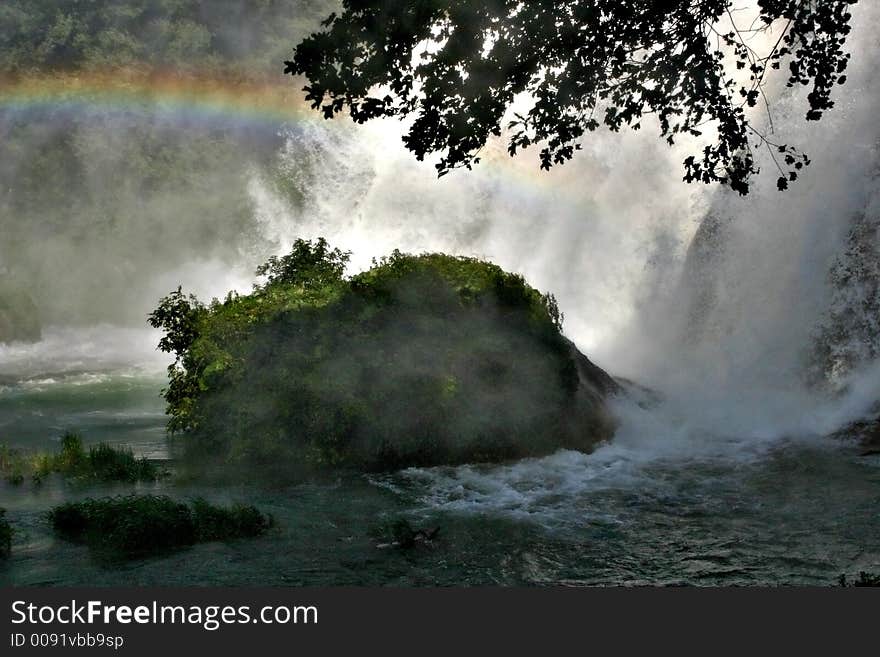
595, 386
849, 333
420, 361
19, 320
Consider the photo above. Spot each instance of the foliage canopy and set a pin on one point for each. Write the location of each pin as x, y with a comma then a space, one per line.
184, 35
457, 67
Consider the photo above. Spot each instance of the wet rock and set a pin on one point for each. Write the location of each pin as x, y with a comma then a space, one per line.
865, 432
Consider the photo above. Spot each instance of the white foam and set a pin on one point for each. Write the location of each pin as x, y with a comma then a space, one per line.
83, 356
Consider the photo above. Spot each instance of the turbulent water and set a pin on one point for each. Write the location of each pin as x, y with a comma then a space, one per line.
729, 479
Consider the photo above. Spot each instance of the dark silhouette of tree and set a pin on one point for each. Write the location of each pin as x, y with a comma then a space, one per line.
457, 67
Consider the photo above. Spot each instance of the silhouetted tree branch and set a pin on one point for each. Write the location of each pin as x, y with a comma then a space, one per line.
457, 67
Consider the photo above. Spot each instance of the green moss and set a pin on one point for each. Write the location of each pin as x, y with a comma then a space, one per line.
141, 525
421, 360
97, 463
5, 535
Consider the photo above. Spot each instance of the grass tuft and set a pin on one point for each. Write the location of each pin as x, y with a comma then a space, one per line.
97, 463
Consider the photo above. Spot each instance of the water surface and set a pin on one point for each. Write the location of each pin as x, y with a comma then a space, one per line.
787, 512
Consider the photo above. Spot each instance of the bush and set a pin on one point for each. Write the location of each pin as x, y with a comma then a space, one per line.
100, 462
134, 526
421, 360
5, 535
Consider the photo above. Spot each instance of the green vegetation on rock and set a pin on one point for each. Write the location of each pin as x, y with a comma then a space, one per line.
141, 525
421, 360
97, 463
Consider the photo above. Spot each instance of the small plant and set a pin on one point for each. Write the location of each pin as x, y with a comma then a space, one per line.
5, 535
134, 526
72, 458
42, 466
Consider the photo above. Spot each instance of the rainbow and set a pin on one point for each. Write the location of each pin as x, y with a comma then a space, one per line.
188, 97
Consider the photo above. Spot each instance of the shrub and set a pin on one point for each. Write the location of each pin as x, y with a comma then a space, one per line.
134, 526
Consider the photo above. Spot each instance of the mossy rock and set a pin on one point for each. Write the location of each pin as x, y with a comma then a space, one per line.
419, 361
